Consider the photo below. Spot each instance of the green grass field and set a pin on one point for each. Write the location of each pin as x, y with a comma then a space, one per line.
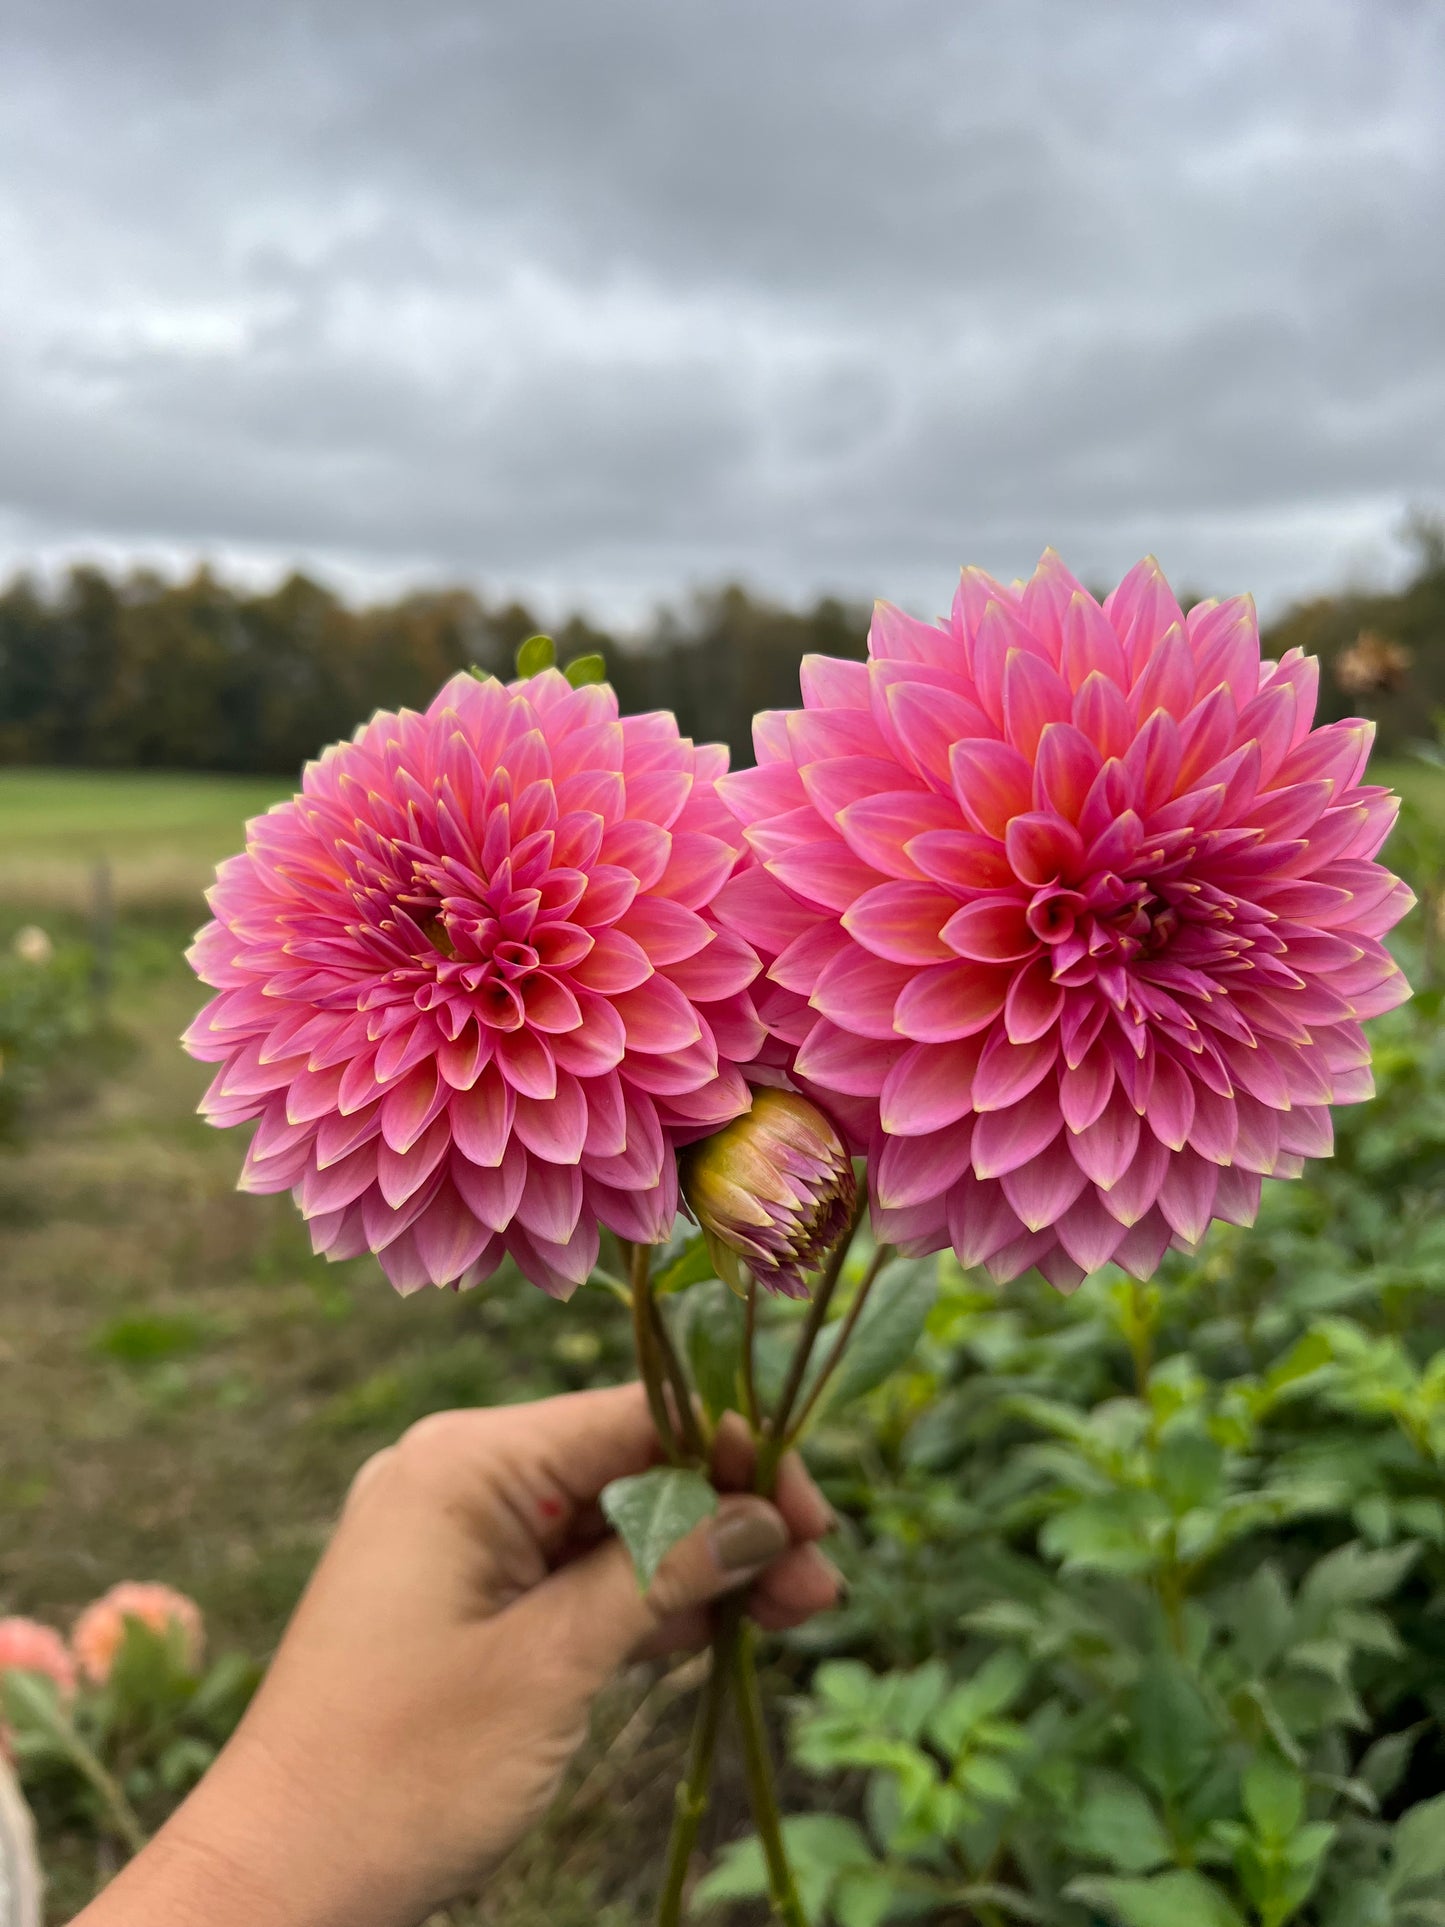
161, 834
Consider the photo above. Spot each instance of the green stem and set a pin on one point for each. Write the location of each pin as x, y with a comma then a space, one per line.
649, 1364
772, 1449
692, 1793
750, 1376
691, 1430
121, 1813
840, 1343
735, 1635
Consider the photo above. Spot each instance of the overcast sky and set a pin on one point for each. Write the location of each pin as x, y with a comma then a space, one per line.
601, 299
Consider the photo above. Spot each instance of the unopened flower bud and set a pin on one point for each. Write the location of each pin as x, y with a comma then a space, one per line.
773, 1191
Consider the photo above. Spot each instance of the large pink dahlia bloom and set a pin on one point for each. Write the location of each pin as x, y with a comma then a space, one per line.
1071, 915
470, 987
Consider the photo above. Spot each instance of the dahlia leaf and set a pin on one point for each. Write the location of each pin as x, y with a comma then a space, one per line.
692, 1266
585, 669
711, 1325
889, 1327
652, 1511
536, 654
1176, 1899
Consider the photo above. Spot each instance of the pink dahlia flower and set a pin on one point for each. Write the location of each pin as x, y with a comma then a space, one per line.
98, 1633
471, 988
1071, 915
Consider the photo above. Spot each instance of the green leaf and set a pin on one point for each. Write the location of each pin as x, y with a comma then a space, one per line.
182, 1764
224, 1693
1364, 1903
586, 669
1418, 1848
31, 1703
888, 1329
1117, 1823
822, 1849
691, 1266
1274, 1798
1188, 1470
996, 1685
740, 1874
1263, 1617
1383, 1767
1178, 1899
1175, 1737
654, 1510
1118, 1534
536, 654
863, 1897
711, 1324
1353, 1575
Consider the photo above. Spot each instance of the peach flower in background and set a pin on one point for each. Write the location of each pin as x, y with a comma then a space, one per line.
26, 1646
1070, 915
97, 1635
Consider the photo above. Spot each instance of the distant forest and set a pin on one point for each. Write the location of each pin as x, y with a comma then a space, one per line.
135, 671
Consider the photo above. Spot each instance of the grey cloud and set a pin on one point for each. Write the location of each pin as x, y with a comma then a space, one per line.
606, 301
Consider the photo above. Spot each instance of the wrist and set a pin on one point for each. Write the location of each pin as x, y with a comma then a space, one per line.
251, 1845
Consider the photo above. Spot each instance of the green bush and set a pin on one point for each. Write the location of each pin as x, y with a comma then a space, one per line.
1148, 1612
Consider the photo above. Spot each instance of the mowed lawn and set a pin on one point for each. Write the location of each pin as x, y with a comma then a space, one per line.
160, 834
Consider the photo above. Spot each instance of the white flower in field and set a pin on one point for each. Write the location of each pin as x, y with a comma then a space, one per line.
33, 946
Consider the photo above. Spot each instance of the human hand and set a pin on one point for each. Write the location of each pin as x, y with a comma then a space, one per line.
437, 1676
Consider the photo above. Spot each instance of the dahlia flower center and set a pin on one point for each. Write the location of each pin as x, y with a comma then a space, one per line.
482, 947
1108, 921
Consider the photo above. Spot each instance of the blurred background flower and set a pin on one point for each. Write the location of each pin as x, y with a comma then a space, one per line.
98, 1634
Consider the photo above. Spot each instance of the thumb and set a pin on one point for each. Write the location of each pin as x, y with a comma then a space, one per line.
595, 1611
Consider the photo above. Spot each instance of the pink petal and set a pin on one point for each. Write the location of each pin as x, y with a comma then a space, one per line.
1042, 1190
1187, 1194
992, 783
911, 1170
981, 1221
946, 1001
554, 1128
1034, 1002
926, 1086
1003, 1140
1008, 1071
481, 1118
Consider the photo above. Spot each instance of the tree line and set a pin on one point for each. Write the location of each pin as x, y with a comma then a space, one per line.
135, 671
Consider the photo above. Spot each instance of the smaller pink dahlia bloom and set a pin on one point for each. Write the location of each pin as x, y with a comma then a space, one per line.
1071, 915
471, 988
26, 1646
96, 1636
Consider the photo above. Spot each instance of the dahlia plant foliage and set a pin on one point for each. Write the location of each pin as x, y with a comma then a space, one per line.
1062, 916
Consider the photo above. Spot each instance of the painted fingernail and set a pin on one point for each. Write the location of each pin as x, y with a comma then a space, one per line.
748, 1536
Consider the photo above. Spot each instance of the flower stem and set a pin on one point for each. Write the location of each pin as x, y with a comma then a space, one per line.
119, 1811
649, 1363
840, 1343
772, 1449
750, 1376
735, 1641
692, 1793
690, 1430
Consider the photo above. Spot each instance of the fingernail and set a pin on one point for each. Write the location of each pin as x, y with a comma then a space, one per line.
746, 1536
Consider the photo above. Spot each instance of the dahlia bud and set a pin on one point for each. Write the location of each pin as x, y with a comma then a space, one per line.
774, 1189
